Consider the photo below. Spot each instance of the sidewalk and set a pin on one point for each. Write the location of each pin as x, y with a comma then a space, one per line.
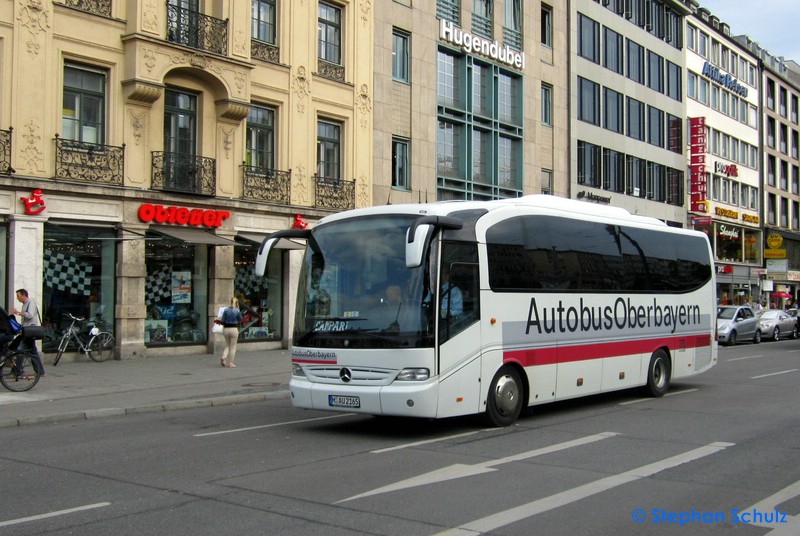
84, 389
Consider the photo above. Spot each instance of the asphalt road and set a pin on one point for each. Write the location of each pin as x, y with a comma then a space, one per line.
720, 451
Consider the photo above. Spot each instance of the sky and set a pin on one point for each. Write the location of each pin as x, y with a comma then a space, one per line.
771, 23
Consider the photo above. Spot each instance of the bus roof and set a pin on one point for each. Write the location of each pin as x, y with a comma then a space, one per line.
571, 207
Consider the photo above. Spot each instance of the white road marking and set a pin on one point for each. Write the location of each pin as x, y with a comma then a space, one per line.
274, 425
743, 358
461, 470
425, 442
791, 527
774, 374
52, 514
501, 519
629, 402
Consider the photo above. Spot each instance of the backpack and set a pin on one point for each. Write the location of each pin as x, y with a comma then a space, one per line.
14, 325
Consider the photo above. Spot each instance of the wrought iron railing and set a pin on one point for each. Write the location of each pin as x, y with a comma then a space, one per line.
264, 51
178, 172
266, 184
5, 152
335, 193
194, 29
330, 70
89, 162
98, 7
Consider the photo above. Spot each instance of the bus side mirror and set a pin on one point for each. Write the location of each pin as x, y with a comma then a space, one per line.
415, 245
263, 253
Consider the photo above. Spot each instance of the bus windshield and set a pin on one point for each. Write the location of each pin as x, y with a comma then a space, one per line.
355, 290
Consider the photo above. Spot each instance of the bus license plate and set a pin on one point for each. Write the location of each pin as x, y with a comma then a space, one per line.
337, 401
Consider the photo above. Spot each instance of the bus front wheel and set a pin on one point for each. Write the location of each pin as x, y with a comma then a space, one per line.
504, 402
658, 374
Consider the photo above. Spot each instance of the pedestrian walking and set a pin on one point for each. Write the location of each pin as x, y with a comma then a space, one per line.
231, 318
30, 317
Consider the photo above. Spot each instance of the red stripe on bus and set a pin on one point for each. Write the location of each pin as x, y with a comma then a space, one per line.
585, 352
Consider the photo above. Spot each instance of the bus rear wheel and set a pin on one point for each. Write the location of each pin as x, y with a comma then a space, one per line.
658, 373
504, 402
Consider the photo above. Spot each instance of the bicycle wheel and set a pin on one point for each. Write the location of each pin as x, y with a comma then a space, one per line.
62, 345
15, 377
101, 346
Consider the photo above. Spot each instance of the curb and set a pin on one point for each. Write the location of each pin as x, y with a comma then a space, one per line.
153, 408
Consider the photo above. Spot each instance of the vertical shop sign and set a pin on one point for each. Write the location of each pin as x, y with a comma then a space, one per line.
697, 167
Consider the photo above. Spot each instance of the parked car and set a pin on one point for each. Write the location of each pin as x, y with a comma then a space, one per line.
775, 324
737, 323
794, 314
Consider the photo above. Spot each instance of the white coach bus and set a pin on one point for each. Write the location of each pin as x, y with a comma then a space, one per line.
455, 308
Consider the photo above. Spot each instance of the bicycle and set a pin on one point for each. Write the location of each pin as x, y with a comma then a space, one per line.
17, 371
100, 344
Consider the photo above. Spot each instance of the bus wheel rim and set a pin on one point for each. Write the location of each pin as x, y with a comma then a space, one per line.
506, 395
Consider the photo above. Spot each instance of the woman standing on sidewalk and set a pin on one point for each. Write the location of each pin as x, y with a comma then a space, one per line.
231, 318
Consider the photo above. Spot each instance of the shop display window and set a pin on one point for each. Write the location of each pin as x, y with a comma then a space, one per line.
78, 278
260, 298
176, 291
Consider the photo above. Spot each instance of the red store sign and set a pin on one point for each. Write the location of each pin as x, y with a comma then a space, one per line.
196, 217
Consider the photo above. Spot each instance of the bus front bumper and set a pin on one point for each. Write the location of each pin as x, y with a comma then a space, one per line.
404, 399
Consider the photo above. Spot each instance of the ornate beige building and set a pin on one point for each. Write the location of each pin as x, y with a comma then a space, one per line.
151, 145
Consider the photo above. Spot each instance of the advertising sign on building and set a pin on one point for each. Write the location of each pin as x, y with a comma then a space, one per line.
697, 168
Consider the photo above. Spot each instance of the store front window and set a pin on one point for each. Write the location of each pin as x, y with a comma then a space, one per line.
176, 291
78, 278
260, 298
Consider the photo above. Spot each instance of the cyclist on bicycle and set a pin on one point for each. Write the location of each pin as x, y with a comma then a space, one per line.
6, 333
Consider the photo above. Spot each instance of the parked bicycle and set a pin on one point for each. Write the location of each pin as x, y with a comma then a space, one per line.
17, 370
97, 344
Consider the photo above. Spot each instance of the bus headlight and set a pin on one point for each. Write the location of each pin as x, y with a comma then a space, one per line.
413, 375
297, 370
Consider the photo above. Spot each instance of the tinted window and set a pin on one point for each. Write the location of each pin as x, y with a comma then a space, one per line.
545, 253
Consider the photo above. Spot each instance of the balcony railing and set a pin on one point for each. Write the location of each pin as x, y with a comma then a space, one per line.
178, 172
266, 184
97, 7
449, 10
89, 162
482, 26
193, 29
5, 152
335, 193
512, 38
261, 50
330, 70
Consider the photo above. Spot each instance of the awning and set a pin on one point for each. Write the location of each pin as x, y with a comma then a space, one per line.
258, 239
192, 236
780, 294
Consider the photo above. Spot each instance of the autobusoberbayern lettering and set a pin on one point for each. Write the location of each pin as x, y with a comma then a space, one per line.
623, 314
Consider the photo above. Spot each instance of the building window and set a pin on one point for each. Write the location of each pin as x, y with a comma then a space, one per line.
329, 33
400, 163
482, 17
612, 48
547, 26
547, 105
635, 62
613, 111
261, 137
84, 105
771, 94
674, 82
588, 101
263, 17
78, 277
655, 72
478, 145
635, 125
588, 164
613, 171
450, 74
674, 134
329, 150
547, 181
635, 176
512, 24
260, 299
588, 38
400, 56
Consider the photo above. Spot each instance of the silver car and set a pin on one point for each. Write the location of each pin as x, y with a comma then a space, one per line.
737, 323
775, 324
